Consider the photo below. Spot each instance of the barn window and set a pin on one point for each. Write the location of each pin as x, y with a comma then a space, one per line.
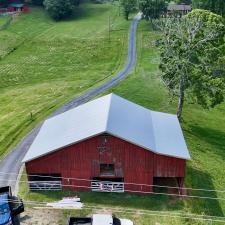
107, 170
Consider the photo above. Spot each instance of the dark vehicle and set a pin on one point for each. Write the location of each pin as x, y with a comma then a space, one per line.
79, 221
10, 207
99, 219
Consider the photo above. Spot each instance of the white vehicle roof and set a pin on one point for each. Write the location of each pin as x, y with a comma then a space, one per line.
102, 219
154, 131
126, 222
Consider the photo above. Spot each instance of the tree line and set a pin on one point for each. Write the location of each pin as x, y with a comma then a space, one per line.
153, 9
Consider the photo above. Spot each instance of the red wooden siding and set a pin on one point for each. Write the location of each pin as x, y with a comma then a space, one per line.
82, 160
168, 166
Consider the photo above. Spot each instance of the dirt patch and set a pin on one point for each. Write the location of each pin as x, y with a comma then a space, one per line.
41, 217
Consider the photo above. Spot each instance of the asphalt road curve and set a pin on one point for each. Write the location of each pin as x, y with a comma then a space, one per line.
12, 163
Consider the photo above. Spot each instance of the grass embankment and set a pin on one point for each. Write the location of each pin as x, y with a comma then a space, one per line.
204, 133
44, 64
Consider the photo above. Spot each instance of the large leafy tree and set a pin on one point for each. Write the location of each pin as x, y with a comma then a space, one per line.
128, 6
37, 2
152, 9
4, 3
59, 9
190, 58
216, 6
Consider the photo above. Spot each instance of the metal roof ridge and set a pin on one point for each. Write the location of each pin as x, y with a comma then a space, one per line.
153, 132
108, 114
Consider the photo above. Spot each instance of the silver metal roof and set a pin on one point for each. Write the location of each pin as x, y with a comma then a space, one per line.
155, 131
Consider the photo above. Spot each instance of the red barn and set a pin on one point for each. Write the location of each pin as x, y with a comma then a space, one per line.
108, 144
18, 7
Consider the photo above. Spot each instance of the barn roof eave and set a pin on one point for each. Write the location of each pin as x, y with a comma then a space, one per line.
112, 134
60, 148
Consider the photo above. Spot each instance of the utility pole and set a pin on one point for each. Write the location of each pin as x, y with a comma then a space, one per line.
109, 28
119, 8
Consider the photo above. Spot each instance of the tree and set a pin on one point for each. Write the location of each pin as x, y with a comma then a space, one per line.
152, 9
4, 3
59, 9
37, 2
190, 58
76, 2
128, 6
216, 6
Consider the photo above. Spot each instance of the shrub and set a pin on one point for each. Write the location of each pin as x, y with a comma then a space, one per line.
59, 9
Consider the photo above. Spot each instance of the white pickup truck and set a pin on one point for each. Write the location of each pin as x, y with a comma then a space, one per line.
99, 219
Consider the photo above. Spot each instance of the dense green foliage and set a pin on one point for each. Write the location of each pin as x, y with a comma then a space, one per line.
191, 50
152, 9
59, 9
128, 7
4, 3
184, 1
37, 2
216, 6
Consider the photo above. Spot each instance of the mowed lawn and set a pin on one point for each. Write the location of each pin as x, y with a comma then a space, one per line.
204, 132
44, 64
3, 20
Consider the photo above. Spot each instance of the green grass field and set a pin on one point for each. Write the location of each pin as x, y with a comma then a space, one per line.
44, 63
204, 132
3, 20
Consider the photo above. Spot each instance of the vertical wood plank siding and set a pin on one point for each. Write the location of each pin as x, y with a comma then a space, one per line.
82, 160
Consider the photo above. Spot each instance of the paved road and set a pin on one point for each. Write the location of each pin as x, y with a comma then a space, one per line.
11, 165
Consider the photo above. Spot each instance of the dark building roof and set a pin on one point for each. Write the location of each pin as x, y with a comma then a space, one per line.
181, 7
17, 5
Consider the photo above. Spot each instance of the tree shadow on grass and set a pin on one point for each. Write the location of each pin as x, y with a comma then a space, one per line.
84, 11
213, 137
201, 180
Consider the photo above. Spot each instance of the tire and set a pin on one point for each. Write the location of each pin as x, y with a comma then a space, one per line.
16, 220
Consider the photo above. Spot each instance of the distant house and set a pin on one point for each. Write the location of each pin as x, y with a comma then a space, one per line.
13, 6
18, 7
108, 144
178, 10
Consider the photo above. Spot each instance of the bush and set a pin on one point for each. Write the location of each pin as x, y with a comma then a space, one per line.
59, 9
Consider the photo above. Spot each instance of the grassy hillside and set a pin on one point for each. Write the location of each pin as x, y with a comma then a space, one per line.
44, 63
204, 133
